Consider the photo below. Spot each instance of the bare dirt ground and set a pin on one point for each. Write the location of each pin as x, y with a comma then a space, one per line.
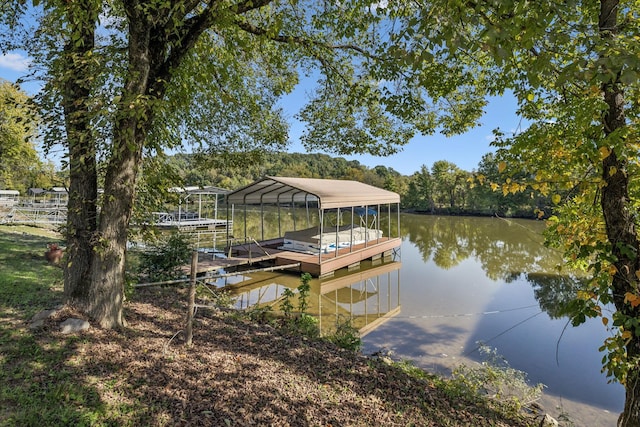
238, 373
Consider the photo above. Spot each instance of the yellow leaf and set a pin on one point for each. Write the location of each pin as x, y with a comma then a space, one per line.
502, 166
626, 335
632, 299
494, 186
604, 152
605, 321
530, 97
613, 170
583, 295
556, 198
638, 274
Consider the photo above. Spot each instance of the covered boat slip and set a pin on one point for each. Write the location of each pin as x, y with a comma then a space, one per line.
197, 209
322, 224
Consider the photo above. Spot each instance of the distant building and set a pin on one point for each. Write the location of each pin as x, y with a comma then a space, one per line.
9, 197
56, 196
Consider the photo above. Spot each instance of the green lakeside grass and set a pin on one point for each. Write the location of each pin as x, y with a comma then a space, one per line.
28, 283
36, 389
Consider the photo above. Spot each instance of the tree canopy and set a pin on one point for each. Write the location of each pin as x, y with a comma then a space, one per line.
20, 164
134, 77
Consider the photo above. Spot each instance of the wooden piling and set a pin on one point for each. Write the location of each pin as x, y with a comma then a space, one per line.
192, 299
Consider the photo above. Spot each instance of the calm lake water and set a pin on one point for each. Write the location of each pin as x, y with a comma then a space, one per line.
457, 282
470, 280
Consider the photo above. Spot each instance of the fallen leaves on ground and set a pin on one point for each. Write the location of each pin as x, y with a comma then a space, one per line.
239, 373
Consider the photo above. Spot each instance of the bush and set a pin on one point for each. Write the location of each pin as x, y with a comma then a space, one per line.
303, 324
164, 259
346, 336
496, 380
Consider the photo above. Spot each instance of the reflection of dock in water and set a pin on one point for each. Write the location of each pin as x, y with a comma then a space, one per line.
367, 297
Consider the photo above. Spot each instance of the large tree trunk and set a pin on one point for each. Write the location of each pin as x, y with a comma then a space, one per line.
83, 187
621, 233
152, 58
108, 267
620, 224
134, 118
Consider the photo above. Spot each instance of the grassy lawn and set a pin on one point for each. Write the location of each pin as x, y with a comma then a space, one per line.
28, 284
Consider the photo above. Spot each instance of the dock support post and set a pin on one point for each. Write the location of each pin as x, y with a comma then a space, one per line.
192, 299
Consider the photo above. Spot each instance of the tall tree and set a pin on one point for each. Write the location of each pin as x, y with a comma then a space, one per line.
76, 59
135, 77
573, 67
426, 188
447, 179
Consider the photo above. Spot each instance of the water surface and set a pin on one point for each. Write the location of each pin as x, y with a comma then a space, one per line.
457, 283
466, 281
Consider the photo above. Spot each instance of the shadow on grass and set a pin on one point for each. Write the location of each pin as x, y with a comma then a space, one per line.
38, 386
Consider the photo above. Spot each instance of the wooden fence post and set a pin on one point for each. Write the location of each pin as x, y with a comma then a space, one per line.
192, 298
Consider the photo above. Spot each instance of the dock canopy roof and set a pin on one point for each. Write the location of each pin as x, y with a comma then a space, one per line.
329, 193
199, 190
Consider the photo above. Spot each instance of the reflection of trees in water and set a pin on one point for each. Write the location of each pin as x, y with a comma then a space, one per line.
503, 247
554, 292
506, 249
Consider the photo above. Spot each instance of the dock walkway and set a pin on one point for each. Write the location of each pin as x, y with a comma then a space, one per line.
208, 263
267, 256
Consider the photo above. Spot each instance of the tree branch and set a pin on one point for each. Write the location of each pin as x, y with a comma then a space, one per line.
252, 29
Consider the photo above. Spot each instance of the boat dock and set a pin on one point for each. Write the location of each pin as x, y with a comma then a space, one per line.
259, 255
266, 256
209, 263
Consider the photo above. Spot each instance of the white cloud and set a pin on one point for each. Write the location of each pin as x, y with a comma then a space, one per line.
15, 62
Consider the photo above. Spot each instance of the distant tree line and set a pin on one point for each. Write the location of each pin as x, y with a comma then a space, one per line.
443, 188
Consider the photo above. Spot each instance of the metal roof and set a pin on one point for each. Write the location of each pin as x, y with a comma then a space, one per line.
329, 193
199, 190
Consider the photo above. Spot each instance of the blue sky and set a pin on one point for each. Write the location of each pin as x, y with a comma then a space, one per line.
465, 150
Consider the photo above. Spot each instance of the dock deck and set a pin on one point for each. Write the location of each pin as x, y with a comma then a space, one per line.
208, 263
315, 264
267, 255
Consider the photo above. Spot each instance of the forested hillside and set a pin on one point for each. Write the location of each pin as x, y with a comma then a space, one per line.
440, 188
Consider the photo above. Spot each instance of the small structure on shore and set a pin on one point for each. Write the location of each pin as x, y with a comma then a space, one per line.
42, 208
9, 197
